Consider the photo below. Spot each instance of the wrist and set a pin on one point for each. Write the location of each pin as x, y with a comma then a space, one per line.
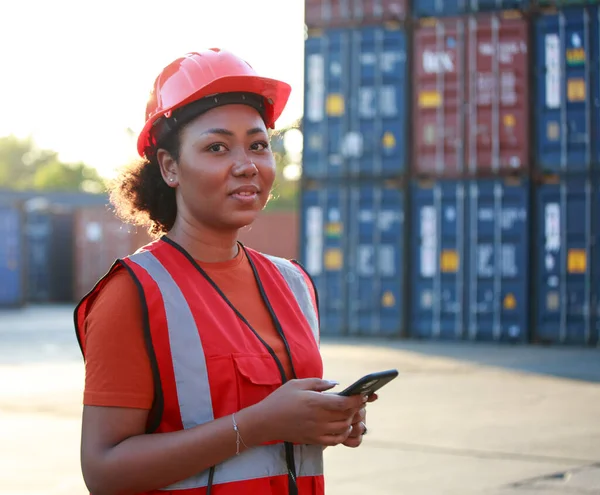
254, 426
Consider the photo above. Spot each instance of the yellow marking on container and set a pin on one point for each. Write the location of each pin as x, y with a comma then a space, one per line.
510, 302
576, 261
430, 99
334, 259
335, 105
450, 261
388, 300
389, 141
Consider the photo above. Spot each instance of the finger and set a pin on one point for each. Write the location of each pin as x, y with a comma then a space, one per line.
373, 397
353, 442
339, 403
333, 440
315, 384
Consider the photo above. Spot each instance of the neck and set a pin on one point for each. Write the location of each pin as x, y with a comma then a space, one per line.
204, 244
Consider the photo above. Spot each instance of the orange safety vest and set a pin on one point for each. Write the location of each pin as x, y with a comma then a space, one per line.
209, 363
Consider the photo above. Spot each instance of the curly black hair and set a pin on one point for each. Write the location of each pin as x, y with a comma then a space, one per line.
140, 195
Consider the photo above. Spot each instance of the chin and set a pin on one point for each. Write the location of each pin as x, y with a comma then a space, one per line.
242, 219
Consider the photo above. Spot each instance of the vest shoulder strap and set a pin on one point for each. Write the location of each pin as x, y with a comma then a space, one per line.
302, 287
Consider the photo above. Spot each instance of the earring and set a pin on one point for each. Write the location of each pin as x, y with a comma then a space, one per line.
171, 179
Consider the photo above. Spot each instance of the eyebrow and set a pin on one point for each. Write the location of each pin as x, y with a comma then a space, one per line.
226, 132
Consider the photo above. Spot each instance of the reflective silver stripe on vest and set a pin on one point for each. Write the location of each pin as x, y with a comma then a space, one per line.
189, 363
193, 391
297, 284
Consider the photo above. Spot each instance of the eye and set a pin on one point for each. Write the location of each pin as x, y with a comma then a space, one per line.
260, 146
216, 148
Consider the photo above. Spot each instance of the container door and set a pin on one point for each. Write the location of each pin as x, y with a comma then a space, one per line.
376, 143
375, 260
11, 257
327, 93
38, 232
438, 253
498, 244
567, 84
439, 99
62, 257
564, 262
324, 222
497, 92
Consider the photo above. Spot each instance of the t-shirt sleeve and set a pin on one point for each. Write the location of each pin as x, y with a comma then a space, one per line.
117, 366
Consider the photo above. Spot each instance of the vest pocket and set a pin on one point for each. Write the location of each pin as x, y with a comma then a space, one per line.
257, 377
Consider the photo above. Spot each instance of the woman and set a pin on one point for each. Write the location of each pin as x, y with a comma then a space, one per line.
203, 372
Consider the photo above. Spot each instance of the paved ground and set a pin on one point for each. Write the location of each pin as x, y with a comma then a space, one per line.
460, 419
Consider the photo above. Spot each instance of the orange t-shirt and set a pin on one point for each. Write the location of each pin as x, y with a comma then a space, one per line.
117, 367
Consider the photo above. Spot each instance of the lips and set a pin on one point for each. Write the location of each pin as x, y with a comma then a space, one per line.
249, 190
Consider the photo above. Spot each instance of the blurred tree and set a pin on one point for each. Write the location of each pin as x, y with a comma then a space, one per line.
286, 188
25, 166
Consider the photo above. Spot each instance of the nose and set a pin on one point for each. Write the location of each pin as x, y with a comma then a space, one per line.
245, 168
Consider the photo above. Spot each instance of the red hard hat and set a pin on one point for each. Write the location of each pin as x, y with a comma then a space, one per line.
197, 75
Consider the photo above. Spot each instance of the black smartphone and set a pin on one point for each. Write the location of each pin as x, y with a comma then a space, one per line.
370, 383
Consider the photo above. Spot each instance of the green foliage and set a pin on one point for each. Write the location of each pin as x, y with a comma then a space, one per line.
285, 192
25, 166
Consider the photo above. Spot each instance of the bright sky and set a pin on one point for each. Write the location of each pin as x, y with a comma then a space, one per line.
76, 74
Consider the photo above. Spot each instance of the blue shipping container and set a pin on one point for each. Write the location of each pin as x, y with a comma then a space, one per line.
445, 8
568, 79
322, 247
438, 258
351, 244
11, 256
497, 236
355, 103
567, 255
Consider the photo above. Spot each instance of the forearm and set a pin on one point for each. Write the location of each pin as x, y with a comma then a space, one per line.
153, 461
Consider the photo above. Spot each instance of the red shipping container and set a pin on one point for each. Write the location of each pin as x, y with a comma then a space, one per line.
100, 238
471, 96
343, 13
274, 233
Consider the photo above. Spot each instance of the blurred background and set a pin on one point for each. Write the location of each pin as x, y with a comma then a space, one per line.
438, 175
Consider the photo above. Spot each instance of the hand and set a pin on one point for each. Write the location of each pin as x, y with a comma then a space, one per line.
359, 426
298, 412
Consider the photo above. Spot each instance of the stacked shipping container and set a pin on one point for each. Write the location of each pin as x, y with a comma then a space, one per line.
354, 160
470, 164
55, 246
567, 79
492, 247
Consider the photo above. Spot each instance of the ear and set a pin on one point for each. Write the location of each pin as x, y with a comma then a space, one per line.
168, 167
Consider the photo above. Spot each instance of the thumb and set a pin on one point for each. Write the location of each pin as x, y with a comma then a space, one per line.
316, 384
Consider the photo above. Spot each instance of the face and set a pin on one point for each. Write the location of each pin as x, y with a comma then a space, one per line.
225, 169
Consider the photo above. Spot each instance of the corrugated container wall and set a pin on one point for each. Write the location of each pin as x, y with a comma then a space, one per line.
568, 262
471, 96
12, 263
49, 248
441, 8
342, 13
437, 279
352, 245
469, 260
568, 90
100, 239
497, 238
355, 103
